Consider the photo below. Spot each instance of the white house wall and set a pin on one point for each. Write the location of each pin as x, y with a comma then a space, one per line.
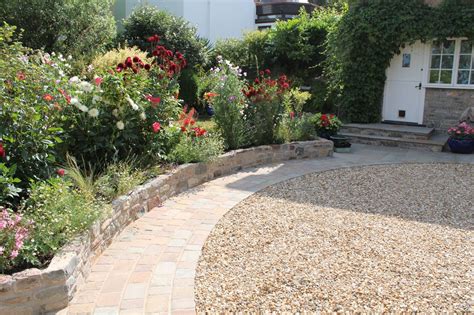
214, 19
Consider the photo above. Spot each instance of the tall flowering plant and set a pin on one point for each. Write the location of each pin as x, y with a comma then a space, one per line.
226, 85
265, 106
193, 143
14, 231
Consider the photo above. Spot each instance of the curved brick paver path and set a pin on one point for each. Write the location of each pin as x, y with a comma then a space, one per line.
150, 266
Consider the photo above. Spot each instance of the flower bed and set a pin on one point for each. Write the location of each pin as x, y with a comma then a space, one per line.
41, 291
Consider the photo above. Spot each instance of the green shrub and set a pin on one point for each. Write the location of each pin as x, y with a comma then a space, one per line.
175, 33
296, 127
30, 111
250, 53
228, 103
188, 83
117, 180
59, 213
67, 26
197, 149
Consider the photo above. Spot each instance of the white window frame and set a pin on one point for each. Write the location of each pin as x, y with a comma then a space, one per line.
454, 79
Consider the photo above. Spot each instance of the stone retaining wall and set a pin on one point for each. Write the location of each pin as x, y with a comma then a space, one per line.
35, 291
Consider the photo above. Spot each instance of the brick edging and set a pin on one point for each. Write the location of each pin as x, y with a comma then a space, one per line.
35, 291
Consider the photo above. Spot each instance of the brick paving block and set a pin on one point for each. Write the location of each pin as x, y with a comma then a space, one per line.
157, 303
135, 304
109, 299
135, 291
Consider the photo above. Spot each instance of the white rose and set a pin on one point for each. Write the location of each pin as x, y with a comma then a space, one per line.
132, 103
120, 125
74, 79
94, 112
75, 101
115, 112
86, 86
143, 116
96, 99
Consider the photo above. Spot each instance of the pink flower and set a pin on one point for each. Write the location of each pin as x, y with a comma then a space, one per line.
3, 153
61, 172
292, 115
156, 127
98, 81
14, 254
1, 250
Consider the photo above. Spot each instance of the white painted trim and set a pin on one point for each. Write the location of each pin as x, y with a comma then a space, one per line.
450, 87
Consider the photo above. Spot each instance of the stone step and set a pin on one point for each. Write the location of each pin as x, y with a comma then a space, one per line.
390, 131
434, 145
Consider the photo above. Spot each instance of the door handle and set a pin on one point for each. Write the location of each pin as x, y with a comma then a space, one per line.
418, 86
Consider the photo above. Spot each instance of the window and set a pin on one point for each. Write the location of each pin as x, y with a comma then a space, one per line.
452, 63
466, 65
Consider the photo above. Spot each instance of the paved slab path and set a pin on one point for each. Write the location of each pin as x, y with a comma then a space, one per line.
150, 266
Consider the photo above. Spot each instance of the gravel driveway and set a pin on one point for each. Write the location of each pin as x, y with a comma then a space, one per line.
378, 238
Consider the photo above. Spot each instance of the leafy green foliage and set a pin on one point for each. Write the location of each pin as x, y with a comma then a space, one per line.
31, 122
77, 27
296, 128
197, 149
367, 37
59, 213
8, 184
228, 103
117, 180
175, 33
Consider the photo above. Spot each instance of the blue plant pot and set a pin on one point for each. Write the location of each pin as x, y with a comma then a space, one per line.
465, 146
209, 110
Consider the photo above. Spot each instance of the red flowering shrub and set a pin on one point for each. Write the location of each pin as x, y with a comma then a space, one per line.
326, 124
264, 110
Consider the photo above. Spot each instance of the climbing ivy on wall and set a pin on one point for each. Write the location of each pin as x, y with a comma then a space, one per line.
360, 49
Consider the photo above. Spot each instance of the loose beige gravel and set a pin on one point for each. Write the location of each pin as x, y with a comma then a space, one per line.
379, 238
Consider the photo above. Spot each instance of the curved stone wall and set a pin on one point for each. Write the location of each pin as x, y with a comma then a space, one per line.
35, 291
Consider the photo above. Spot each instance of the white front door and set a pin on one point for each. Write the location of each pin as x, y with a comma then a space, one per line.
404, 93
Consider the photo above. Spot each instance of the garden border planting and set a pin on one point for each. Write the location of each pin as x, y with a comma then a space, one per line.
41, 291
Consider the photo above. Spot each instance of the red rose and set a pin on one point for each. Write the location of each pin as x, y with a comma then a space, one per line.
268, 72
147, 67
156, 127
153, 100
136, 59
292, 115
61, 172
120, 67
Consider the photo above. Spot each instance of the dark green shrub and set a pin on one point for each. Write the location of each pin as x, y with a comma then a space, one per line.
175, 33
188, 83
67, 26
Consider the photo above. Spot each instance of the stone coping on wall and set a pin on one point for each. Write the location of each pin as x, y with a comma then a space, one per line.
35, 291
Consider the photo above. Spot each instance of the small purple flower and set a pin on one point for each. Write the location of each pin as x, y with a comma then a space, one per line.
232, 98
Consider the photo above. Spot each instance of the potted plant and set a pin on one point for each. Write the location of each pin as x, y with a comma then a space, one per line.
326, 125
461, 138
341, 144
